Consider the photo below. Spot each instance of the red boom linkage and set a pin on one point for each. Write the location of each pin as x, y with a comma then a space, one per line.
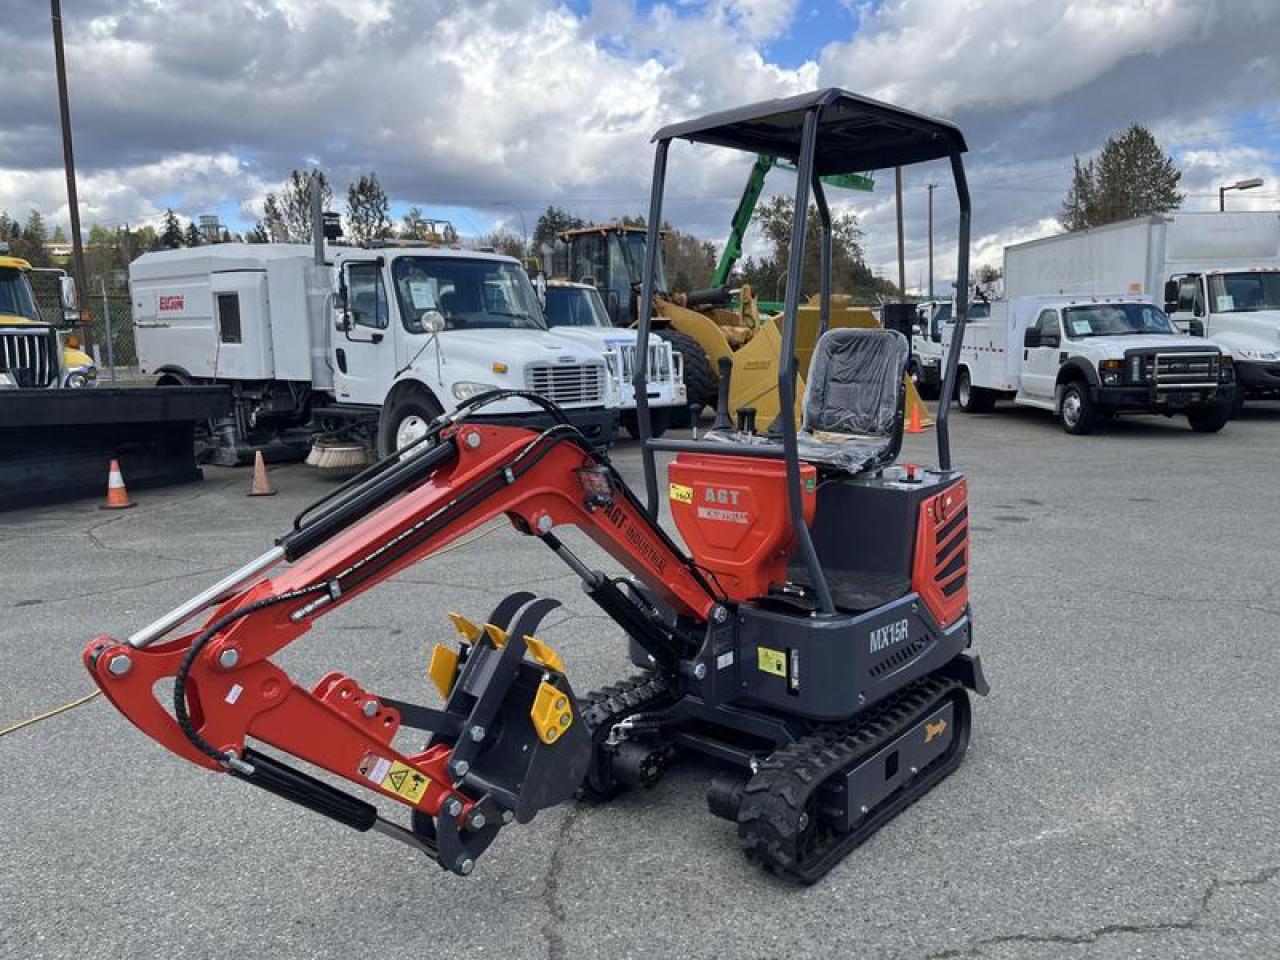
234, 692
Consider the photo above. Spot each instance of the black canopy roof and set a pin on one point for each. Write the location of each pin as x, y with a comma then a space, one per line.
854, 133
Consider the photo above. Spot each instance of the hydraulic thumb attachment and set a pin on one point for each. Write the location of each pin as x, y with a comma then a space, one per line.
508, 741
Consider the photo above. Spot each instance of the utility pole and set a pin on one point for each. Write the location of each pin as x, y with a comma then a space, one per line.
68, 157
932, 187
902, 262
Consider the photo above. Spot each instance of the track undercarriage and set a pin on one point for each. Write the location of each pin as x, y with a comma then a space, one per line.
801, 807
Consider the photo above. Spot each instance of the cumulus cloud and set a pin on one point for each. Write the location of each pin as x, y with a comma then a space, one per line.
484, 105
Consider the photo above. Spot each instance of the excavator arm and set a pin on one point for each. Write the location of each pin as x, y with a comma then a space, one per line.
507, 742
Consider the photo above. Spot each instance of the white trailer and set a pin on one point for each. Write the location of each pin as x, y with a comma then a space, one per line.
369, 345
1217, 275
1086, 358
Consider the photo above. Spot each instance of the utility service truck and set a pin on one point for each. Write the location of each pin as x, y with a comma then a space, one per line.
925, 366
1217, 275
577, 310
1085, 358
353, 351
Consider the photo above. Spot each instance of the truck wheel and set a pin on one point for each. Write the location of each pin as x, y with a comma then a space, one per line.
699, 385
659, 420
973, 399
1208, 419
1077, 411
405, 422
927, 391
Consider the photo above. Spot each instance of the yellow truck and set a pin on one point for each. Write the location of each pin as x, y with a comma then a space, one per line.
34, 354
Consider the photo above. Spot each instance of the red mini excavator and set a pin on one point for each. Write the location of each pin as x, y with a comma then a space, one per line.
813, 638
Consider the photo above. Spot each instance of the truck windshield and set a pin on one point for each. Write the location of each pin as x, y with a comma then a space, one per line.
1244, 292
575, 307
15, 295
1115, 320
470, 294
633, 243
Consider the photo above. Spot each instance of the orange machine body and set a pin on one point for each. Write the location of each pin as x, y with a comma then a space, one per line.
732, 514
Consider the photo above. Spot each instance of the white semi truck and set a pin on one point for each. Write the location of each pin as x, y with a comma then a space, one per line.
1086, 358
1216, 274
368, 345
578, 310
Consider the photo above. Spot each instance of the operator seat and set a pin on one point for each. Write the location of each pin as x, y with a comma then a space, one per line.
851, 426
854, 398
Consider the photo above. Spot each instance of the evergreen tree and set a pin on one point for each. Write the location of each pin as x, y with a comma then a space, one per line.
849, 271
59, 235
30, 242
192, 237
171, 236
1131, 177
551, 223
368, 210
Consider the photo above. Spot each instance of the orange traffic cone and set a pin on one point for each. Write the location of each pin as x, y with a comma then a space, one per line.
117, 495
913, 422
261, 484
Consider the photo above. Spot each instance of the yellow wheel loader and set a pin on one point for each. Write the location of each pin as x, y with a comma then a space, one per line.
706, 326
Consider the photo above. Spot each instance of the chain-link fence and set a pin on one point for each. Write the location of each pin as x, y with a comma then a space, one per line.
107, 320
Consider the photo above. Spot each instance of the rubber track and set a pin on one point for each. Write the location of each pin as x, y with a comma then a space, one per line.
776, 800
601, 709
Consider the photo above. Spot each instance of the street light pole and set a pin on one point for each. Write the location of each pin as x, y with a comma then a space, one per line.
902, 263
1238, 185
68, 156
932, 187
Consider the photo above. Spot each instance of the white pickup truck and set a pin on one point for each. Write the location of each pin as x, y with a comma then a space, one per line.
1219, 274
362, 348
1085, 358
576, 310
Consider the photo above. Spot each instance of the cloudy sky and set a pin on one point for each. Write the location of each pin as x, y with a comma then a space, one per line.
484, 112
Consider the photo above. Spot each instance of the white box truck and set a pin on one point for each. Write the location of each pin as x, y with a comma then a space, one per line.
1217, 275
1086, 358
368, 345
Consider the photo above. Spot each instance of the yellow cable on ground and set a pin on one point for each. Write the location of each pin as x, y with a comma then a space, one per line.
49, 713
85, 699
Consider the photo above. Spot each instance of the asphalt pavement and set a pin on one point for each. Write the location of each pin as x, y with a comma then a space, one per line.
1119, 798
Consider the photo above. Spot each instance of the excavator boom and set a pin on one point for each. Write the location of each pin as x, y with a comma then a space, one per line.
506, 743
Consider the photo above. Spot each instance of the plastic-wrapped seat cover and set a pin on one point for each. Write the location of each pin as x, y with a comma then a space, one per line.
852, 398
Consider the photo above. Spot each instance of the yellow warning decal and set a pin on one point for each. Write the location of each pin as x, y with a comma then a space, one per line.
681, 494
935, 729
405, 781
771, 661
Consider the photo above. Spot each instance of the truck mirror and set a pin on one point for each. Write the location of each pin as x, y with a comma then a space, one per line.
432, 321
1171, 296
67, 287
1031, 338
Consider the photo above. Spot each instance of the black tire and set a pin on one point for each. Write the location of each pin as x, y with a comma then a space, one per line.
1076, 410
970, 398
927, 391
659, 420
699, 384
1209, 419
413, 404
